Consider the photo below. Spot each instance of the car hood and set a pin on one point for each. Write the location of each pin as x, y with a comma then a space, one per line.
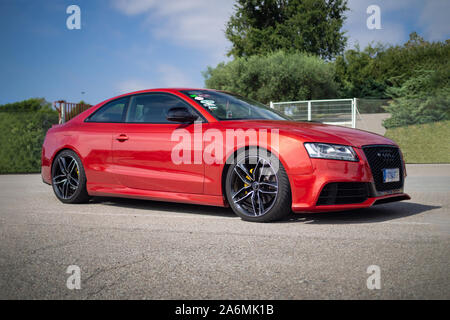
314, 132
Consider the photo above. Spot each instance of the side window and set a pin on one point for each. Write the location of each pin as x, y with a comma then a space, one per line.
111, 112
152, 108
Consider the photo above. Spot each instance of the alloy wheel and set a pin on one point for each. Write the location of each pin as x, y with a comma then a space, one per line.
66, 177
254, 186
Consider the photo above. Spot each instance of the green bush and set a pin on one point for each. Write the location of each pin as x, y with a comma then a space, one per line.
370, 72
30, 105
276, 76
423, 98
23, 131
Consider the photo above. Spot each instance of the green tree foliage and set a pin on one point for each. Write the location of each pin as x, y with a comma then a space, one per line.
263, 26
370, 72
357, 72
423, 98
276, 76
30, 105
24, 125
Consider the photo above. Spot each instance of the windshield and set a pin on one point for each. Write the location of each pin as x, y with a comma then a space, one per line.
228, 106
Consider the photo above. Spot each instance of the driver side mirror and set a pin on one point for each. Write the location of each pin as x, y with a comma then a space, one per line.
180, 114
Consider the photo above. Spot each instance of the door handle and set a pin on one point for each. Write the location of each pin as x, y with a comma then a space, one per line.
122, 137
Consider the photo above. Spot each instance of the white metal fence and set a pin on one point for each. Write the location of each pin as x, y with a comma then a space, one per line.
335, 111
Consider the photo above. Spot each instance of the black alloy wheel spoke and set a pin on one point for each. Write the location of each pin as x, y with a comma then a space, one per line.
253, 203
72, 166
244, 197
270, 188
66, 179
254, 186
257, 172
243, 174
62, 165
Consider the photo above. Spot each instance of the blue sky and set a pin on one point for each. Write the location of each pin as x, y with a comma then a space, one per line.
126, 45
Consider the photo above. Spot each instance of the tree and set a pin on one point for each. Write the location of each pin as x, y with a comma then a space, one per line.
263, 26
277, 76
30, 105
357, 73
370, 72
423, 98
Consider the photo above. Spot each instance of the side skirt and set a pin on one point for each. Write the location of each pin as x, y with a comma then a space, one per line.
124, 192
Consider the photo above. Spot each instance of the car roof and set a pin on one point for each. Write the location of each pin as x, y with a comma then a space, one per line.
169, 90
151, 90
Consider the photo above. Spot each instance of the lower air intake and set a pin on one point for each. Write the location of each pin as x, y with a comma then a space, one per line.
343, 193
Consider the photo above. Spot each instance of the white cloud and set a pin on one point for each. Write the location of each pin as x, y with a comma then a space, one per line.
392, 32
429, 18
385, 5
201, 23
131, 7
192, 23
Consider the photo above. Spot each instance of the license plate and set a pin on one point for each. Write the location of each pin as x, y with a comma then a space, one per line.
391, 175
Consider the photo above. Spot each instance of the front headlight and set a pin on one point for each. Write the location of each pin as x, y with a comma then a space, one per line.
331, 151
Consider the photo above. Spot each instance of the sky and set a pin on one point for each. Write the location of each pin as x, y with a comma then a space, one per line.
127, 45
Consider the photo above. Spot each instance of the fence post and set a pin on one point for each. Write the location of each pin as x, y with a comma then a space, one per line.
63, 111
59, 111
354, 113
271, 105
309, 111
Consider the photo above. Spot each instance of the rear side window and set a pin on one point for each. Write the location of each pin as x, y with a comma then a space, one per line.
111, 112
152, 108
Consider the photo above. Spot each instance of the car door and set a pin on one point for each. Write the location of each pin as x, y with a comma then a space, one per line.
142, 148
95, 142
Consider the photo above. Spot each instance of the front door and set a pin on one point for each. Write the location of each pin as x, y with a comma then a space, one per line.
142, 148
95, 135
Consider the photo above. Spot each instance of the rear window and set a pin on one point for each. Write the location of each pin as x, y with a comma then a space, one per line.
111, 112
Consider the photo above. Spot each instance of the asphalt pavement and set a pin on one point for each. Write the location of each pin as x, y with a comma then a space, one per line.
135, 249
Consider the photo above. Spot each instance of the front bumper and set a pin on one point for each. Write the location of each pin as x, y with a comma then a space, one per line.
306, 189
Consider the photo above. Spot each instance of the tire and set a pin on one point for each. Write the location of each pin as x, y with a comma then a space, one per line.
257, 187
69, 178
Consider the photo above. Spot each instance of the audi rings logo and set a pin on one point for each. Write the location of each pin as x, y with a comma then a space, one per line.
386, 155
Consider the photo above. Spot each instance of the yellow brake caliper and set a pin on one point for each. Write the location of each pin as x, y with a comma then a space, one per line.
246, 185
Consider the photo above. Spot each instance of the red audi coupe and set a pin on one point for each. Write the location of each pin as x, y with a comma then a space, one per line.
216, 148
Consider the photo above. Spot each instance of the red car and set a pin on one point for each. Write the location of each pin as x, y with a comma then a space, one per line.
215, 148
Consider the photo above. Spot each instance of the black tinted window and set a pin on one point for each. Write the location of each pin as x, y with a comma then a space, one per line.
110, 112
152, 108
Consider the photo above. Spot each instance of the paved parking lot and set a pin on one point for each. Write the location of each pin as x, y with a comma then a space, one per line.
155, 250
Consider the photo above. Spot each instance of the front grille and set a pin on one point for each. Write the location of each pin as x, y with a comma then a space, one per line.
343, 193
384, 157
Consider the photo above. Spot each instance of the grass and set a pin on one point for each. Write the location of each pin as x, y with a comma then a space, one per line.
423, 143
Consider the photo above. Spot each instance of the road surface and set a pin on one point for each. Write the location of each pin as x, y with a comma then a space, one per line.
132, 249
